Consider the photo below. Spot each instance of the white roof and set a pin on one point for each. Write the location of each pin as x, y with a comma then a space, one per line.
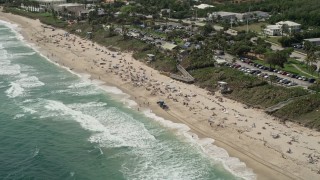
203, 6
273, 27
223, 13
222, 82
289, 23
70, 5
221, 61
48, 1
169, 46
313, 39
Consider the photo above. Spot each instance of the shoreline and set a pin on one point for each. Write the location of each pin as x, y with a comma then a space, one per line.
226, 138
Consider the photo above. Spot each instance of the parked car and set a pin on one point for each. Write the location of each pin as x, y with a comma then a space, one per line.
312, 80
304, 78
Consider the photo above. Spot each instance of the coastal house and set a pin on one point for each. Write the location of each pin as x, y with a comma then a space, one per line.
168, 46
108, 1
187, 45
117, 14
222, 15
231, 32
151, 57
314, 41
100, 11
203, 6
165, 13
260, 14
291, 27
71, 9
230, 16
273, 30
134, 34
48, 4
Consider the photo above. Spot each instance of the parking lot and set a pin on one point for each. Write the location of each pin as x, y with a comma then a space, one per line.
282, 78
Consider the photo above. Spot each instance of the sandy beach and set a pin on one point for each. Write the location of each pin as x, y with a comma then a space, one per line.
273, 150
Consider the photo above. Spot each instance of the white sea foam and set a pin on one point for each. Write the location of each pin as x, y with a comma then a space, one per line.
87, 105
10, 44
35, 152
120, 95
13, 27
114, 128
112, 90
29, 82
79, 85
6, 68
17, 116
28, 110
24, 54
7, 38
4, 54
4, 28
234, 165
29, 100
131, 134
15, 90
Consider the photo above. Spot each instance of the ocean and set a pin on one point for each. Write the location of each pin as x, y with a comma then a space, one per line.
55, 124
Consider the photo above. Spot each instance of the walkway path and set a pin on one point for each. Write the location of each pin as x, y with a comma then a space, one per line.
297, 67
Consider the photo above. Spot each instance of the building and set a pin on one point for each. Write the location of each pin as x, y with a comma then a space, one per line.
203, 6
168, 46
258, 15
108, 1
151, 57
48, 4
314, 41
292, 27
273, 30
73, 9
240, 17
222, 15
244, 1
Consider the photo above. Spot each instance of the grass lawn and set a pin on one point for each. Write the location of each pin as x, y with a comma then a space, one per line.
274, 39
256, 27
288, 67
179, 41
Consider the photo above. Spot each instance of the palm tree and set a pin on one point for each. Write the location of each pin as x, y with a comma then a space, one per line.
263, 26
311, 59
124, 31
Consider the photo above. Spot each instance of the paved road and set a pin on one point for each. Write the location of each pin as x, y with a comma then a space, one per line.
295, 54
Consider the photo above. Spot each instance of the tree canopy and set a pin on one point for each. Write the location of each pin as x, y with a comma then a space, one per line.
306, 12
278, 58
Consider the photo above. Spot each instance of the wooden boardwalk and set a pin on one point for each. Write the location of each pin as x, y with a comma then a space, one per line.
186, 77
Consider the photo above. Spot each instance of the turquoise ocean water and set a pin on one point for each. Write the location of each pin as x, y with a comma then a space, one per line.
57, 125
